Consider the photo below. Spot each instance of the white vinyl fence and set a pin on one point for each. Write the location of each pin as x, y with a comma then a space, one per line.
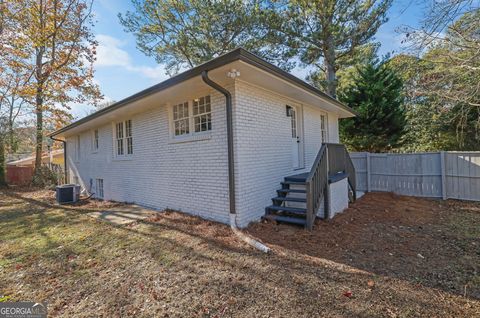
436, 174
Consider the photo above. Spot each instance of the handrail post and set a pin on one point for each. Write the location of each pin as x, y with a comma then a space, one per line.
310, 212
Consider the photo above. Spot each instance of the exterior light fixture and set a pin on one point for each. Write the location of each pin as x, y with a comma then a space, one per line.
233, 73
289, 111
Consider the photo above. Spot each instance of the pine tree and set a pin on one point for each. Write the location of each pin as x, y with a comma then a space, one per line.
326, 34
376, 94
185, 33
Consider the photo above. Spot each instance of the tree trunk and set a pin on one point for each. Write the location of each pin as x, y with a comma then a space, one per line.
1, 16
329, 62
3, 178
39, 135
39, 110
10, 138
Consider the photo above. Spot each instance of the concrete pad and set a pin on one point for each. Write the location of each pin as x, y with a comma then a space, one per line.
124, 214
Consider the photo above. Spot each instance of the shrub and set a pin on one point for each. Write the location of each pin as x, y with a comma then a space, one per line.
45, 177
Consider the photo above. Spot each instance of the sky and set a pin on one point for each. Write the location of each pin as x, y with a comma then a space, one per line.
122, 70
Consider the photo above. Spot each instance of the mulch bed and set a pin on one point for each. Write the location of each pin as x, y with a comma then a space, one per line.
430, 242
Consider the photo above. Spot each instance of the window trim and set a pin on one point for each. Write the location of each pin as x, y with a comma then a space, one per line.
128, 135
324, 115
125, 155
192, 135
78, 148
97, 192
200, 115
95, 140
187, 119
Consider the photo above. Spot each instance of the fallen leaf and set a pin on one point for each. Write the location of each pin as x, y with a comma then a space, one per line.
348, 294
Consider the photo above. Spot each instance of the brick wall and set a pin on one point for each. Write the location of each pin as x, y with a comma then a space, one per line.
263, 146
187, 176
193, 176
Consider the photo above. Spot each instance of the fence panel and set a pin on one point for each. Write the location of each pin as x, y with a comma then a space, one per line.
437, 174
462, 174
359, 160
19, 175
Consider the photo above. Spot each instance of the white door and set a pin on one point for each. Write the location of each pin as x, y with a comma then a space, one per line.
295, 137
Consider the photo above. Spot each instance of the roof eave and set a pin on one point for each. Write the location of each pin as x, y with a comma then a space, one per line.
237, 54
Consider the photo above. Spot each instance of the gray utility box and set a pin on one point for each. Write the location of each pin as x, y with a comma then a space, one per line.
68, 193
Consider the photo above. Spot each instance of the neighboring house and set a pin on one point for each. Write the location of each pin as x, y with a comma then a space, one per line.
20, 172
53, 157
215, 140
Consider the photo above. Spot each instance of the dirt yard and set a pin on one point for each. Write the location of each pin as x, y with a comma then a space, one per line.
387, 256
428, 242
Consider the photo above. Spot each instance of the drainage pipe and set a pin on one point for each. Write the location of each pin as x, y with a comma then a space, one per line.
231, 166
64, 156
246, 238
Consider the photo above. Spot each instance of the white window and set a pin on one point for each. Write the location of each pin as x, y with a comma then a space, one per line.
192, 117
129, 137
202, 114
323, 128
77, 148
124, 138
99, 188
95, 142
181, 119
119, 138
293, 121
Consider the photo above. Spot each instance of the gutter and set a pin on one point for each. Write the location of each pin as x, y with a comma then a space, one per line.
231, 165
64, 156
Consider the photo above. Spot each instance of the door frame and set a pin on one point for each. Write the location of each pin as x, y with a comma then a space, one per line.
300, 133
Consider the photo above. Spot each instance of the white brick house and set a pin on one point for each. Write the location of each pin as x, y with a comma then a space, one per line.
167, 146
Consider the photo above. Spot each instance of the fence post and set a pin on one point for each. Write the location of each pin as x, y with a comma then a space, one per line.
368, 172
444, 178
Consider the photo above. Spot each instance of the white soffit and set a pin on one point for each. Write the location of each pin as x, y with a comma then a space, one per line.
269, 81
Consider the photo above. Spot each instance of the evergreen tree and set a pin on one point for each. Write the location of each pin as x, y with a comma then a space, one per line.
327, 34
376, 94
186, 33
324, 34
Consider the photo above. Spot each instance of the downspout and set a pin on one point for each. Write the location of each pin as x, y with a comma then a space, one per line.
64, 156
231, 166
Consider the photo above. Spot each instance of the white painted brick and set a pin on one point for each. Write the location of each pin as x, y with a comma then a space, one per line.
263, 146
338, 196
193, 176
